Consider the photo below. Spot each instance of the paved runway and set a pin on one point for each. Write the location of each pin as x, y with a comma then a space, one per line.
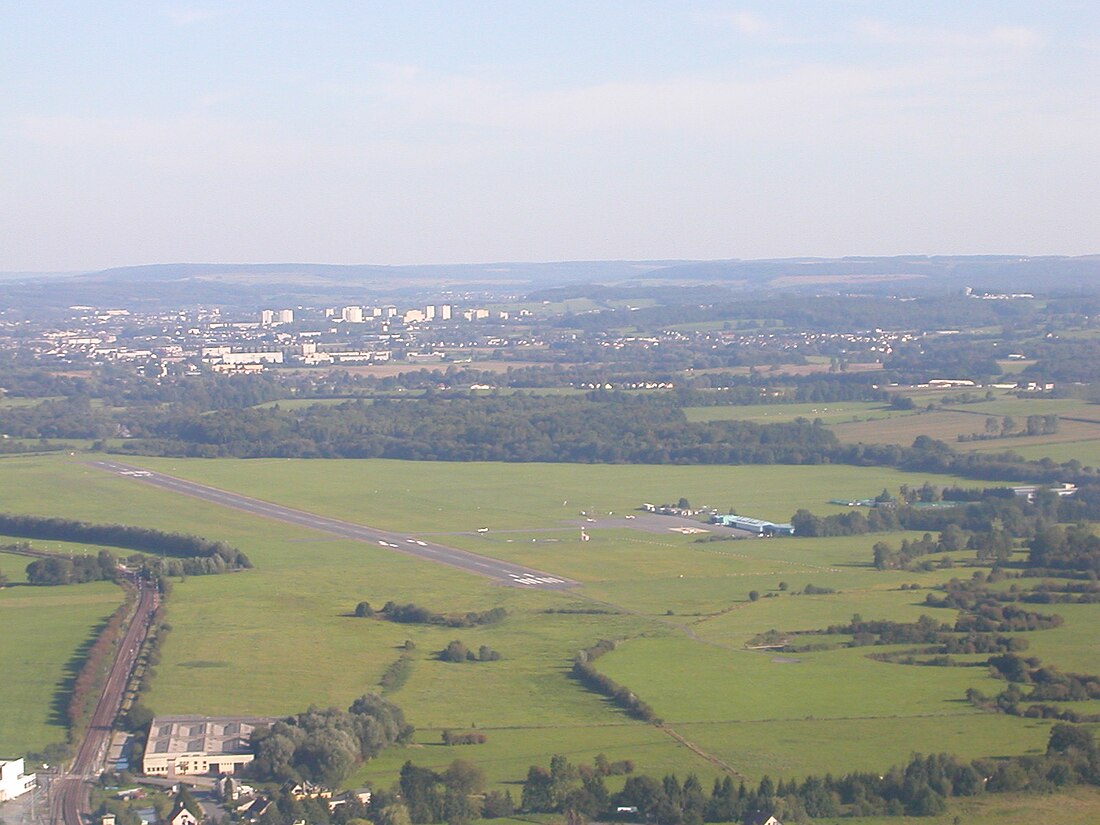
502, 571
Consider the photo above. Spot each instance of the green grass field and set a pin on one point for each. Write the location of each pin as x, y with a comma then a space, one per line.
278, 638
449, 497
829, 413
1076, 806
947, 425
1087, 451
10, 401
1023, 407
45, 629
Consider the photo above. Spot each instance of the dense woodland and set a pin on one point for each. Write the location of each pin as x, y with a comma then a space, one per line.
601, 427
324, 746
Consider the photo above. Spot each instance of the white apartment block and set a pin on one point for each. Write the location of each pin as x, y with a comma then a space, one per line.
13, 782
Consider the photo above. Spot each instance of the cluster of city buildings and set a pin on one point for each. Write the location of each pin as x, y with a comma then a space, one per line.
212, 339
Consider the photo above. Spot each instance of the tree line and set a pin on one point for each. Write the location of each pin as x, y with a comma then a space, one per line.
218, 553
417, 614
921, 787
587, 674
989, 521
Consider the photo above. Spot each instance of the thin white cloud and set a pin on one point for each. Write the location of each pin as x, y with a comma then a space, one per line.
744, 22
1019, 37
781, 102
1003, 36
185, 16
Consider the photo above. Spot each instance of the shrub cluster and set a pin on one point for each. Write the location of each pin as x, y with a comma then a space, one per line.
416, 614
456, 651
452, 738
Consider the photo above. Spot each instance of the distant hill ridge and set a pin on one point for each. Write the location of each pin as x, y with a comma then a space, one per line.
979, 271
249, 285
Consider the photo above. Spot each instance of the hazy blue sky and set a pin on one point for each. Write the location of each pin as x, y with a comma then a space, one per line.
351, 131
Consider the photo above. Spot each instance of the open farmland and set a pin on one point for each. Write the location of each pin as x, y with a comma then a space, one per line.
681, 607
1075, 806
947, 425
45, 632
1023, 407
829, 413
1086, 451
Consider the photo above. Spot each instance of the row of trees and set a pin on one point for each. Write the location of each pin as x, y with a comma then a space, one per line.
988, 522
921, 787
56, 569
88, 684
417, 614
120, 535
605, 427
587, 674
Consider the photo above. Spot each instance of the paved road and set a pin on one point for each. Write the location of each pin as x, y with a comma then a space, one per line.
505, 572
69, 791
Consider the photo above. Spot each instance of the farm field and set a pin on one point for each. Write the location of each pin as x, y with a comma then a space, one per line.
281, 637
44, 631
757, 686
804, 747
12, 401
302, 403
829, 413
813, 365
1086, 451
947, 425
1014, 367
1023, 407
1075, 806
1068, 431
508, 747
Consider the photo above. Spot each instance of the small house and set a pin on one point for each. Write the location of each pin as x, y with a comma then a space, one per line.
181, 816
761, 818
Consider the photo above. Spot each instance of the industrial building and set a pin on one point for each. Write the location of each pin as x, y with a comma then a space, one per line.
754, 525
183, 745
1063, 490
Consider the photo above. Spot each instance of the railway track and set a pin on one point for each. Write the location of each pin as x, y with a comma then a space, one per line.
69, 797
